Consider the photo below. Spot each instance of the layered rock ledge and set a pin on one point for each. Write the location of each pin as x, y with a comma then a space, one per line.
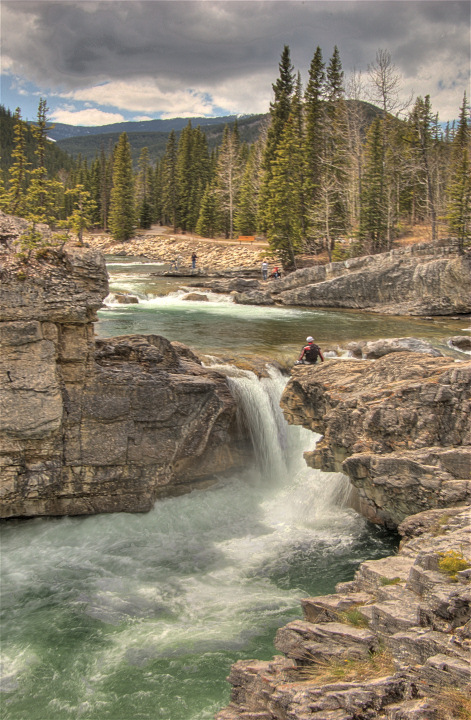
395, 642
419, 280
92, 425
399, 427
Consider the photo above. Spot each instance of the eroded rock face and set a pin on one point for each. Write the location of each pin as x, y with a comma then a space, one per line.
93, 425
402, 619
399, 427
416, 281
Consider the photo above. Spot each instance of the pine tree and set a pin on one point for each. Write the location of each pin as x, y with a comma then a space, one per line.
245, 221
425, 155
285, 211
329, 215
373, 220
334, 88
314, 102
459, 191
185, 177
16, 198
81, 217
210, 221
280, 110
43, 195
229, 176
143, 190
170, 183
121, 218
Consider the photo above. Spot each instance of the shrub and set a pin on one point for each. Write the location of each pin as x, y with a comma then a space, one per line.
452, 562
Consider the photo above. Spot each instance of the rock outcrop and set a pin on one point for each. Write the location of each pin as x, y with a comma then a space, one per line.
420, 280
394, 643
93, 425
399, 427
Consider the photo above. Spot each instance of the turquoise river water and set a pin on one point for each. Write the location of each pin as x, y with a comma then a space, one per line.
139, 616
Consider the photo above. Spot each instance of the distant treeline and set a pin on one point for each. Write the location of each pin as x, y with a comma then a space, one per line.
321, 168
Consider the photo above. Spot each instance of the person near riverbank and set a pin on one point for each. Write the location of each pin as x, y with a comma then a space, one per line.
310, 353
193, 260
264, 270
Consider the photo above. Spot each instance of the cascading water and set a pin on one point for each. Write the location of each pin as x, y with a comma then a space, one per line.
140, 616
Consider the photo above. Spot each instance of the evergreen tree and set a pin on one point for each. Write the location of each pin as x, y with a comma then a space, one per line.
229, 176
334, 87
157, 192
280, 110
245, 221
143, 190
459, 191
425, 155
185, 177
285, 211
121, 218
43, 195
16, 199
209, 220
314, 103
329, 215
81, 217
373, 220
169, 182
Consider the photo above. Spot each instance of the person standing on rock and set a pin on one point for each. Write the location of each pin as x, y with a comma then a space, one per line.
193, 260
264, 270
310, 353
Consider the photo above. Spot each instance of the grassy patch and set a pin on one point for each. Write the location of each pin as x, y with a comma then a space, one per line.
353, 617
453, 704
348, 669
390, 581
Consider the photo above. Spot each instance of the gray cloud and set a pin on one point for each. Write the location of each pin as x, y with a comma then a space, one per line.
70, 45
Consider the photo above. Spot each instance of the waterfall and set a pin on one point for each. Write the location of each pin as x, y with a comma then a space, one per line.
142, 615
278, 447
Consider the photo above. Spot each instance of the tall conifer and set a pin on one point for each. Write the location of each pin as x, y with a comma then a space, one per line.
280, 110
170, 183
314, 103
459, 191
16, 201
122, 218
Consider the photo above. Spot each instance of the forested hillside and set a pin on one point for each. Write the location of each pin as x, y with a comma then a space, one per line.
88, 146
56, 159
61, 131
322, 171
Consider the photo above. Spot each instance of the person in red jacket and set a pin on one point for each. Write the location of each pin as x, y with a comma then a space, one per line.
310, 352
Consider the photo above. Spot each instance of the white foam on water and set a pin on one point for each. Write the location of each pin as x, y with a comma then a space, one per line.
196, 575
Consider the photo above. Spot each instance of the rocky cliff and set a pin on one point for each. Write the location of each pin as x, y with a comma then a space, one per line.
420, 280
93, 426
394, 643
399, 427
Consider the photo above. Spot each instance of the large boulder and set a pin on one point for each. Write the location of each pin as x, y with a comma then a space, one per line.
93, 425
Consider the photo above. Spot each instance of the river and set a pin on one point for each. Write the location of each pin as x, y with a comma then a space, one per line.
141, 615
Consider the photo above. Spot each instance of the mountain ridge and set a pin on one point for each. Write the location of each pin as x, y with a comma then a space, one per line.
63, 131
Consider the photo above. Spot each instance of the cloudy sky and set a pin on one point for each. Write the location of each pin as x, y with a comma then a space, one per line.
99, 62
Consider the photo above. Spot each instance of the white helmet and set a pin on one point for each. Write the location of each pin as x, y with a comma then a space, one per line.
309, 339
